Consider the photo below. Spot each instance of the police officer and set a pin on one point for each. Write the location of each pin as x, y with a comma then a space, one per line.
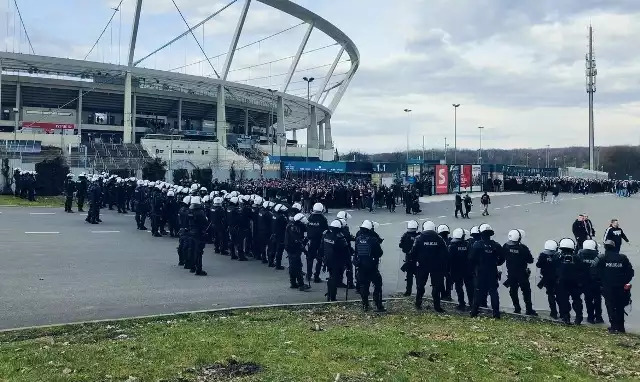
443, 232
219, 227
171, 211
486, 256
429, 253
548, 262
344, 216
406, 244
458, 205
459, 269
569, 282
518, 257
81, 191
367, 259
615, 272
265, 218
294, 244
197, 230
183, 234
316, 225
69, 189
335, 249
141, 197
592, 286
278, 230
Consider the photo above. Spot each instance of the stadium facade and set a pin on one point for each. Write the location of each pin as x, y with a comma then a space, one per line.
67, 102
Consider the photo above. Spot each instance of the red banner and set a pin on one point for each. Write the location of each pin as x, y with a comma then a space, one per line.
442, 179
466, 177
48, 125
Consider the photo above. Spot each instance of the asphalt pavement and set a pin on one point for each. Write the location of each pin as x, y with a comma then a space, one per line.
57, 269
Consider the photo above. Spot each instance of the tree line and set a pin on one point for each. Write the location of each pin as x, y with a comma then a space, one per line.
619, 161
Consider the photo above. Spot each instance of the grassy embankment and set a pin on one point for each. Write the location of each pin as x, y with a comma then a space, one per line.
334, 343
41, 201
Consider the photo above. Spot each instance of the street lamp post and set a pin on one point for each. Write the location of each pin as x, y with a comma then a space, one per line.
455, 132
547, 156
445, 149
408, 129
480, 151
308, 80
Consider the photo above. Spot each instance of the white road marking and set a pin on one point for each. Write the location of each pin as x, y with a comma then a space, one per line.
114, 231
497, 208
44, 233
42, 213
381, 224
517, 205
506, 207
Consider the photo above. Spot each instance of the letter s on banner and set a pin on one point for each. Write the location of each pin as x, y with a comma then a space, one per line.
442, 179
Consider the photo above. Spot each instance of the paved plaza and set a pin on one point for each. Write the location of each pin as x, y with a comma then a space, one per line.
56, 268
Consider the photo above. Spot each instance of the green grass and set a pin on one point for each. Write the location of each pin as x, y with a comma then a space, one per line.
41, 201
317, 344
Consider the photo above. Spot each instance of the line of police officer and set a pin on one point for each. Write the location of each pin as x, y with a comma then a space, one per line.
471, 259
245, 226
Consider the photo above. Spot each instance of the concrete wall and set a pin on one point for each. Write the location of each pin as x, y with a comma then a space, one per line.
299, 151
583, 173
56, 140
35, 114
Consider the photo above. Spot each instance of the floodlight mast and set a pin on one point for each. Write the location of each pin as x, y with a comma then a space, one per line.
591, 73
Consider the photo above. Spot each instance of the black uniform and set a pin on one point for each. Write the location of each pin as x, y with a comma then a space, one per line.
316, 225
430, 254
276, 245
366, 259
81, 192
140, 196
409, 266
570, 272
294, 244
183, 236
548, 263
69, 189
265, 218
615, 271
518, 257
460, 270
592, 286
197, 223
219, 229
336, 250
486, 256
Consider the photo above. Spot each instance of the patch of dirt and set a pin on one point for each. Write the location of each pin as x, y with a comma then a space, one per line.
227, 371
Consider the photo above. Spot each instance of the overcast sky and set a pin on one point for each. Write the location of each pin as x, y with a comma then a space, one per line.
516, 67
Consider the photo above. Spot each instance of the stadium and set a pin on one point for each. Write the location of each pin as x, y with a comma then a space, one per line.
106, 115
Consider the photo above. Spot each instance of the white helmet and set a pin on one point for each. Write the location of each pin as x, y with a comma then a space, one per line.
203, 189
212, 194
467, 233
344, 215
567, 243
412, 224
474, 230
590, 244
234, 200
257, 200
194, 187
170, 193
366, 224
205, 198
457, 233
186, 199
298, 217
195, 200
69, 175
271, 204
428, 226
485, 228
277, 207
514, 235
139, 183
336, 224
283, 208
443, 228
297, 206
318, 207
265, 204
550, 245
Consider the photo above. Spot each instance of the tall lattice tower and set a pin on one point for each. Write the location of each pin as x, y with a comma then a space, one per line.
591, 73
